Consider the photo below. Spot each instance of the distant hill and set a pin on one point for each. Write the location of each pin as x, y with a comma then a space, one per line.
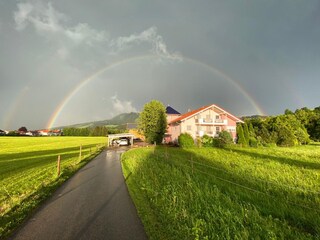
116, 121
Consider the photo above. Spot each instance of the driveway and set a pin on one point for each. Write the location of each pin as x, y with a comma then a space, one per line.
93, 204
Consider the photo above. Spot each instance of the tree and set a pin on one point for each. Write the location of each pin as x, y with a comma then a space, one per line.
225, 138
288, 111
246, 133
23, 129
153, 121
241, 139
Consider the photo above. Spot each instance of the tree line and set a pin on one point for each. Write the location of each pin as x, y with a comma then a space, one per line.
288, 129
96, 131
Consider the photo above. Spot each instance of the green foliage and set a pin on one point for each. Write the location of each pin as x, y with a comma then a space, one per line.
95, 131
235, 193
225, 138
207, 141
13, 133
251, 130
253, 142
185, 140
282, 130
241, 139
28, 172
153, 121
246, 133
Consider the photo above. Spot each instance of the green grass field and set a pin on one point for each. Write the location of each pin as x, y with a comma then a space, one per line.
28, 171
235, 193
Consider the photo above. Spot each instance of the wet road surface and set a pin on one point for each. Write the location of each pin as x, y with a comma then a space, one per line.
93, 204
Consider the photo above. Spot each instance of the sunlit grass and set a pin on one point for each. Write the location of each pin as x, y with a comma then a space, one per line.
28, 171
235, 193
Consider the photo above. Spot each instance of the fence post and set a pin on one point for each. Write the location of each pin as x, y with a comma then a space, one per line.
58, 166
80, 153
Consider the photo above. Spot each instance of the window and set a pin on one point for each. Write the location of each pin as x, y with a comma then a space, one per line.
217, 117
188, 127
217, 129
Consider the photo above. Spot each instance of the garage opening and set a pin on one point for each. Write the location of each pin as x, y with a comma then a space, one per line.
120, 139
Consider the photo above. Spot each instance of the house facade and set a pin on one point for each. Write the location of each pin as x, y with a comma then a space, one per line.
171, 115
207, 120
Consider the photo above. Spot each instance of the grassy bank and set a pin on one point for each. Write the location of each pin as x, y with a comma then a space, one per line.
238, 193
28, 171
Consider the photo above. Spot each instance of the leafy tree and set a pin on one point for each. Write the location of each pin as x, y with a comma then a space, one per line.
241, 140
153, 121
185, 140
225, 138
246, 133
288, 111
23, 129
251, 130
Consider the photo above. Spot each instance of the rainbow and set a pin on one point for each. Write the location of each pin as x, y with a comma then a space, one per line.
85, 81
16, 104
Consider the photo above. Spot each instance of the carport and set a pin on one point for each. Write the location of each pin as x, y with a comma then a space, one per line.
111, 137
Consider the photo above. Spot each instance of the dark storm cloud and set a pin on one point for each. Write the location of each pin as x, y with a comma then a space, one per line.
269, 48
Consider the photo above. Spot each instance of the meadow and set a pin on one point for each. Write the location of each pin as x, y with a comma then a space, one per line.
231, 193
28, 171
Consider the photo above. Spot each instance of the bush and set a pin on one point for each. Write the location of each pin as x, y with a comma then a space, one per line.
253, 142
225, 138
207, 141
216, 142
185, 140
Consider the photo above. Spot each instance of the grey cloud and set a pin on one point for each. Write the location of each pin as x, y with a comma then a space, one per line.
270, 48
150, 36
46, 20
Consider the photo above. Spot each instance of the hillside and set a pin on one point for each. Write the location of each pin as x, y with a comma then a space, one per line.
116, 121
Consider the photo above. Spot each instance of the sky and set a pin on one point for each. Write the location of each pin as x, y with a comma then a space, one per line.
66, 62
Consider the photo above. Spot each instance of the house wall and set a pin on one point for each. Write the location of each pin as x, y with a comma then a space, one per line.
175, 130
208, 122
171, 117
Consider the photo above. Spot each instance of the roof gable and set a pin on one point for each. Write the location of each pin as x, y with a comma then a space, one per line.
202, 109
170, 110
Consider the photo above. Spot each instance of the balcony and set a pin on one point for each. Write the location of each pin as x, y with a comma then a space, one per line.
220, 121
205, 121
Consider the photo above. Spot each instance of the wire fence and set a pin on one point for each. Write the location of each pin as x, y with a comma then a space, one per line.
191, 165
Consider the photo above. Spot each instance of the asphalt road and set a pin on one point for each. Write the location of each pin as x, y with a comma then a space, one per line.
93, 204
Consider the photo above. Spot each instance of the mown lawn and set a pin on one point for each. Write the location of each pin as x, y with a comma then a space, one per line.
28, 171
234, 193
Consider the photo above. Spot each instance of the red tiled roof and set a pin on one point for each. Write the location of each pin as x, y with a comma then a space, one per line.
189, 114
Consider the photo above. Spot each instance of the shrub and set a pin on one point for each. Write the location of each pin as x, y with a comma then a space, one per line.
225, 138
216, 142
207, 141
185, 140
253, 142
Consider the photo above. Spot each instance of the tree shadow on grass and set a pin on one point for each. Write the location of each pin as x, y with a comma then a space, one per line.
9, 163
282, 160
